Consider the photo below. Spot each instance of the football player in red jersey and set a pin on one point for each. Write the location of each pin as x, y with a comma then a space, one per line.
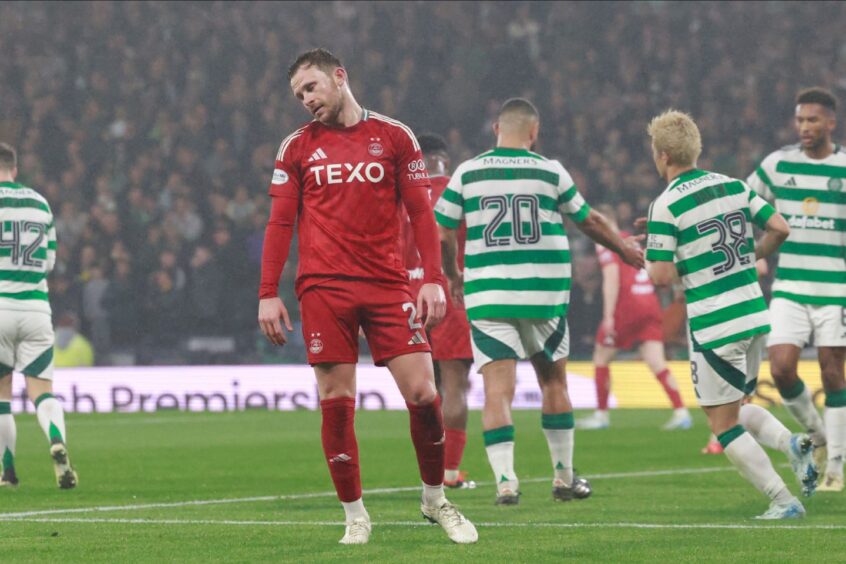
630, 314
450, 339
341, 179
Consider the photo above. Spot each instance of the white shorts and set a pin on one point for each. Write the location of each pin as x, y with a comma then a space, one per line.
794, 323
26, 343
727, 373
499, 339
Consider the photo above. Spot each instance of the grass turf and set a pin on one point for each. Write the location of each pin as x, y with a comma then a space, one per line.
699, 509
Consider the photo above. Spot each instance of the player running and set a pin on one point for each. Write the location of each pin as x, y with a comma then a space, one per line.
630, 314
450, 339
341, 178
516, 284
700, 229
27, 255
806, 181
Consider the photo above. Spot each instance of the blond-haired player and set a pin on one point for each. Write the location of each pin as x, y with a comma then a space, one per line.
700, 229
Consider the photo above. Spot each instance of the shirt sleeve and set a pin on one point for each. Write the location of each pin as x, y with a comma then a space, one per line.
410, 168
412, 181
285, 182
570, 201
449, 209
760, 209
760, 180
662, 232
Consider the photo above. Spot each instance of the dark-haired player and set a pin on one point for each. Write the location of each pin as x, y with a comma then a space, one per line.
342, 178
806, 181
516, 285
450, 339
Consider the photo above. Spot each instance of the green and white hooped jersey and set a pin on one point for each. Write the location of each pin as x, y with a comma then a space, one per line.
811, 195
517, 257
702, 222
27, 248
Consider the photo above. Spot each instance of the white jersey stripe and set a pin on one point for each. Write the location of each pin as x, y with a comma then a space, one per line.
401, 125
287, 141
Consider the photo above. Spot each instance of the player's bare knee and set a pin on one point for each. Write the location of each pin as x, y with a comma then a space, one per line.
831, 368
422, 393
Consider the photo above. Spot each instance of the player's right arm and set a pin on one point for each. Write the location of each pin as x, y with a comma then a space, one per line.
285, 193
592, 223
449, 211
661, 245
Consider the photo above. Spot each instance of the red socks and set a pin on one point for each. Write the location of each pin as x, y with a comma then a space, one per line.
672, 391
454, 448
341, 449
427, 434
602, 377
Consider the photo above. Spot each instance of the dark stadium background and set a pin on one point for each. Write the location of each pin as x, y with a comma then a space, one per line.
151, 128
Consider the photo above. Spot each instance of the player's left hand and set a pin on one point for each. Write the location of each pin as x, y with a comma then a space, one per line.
433, 297
641, 223
632, 253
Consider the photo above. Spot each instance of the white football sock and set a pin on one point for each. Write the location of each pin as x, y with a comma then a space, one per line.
51, 417
802, 408
835, 425
433, 496
501, 457
560, 443
355, 509
764, 427
8, 435
753, 464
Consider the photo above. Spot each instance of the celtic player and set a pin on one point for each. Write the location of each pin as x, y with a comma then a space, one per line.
516, 284
700, 229
27, 255
806, 181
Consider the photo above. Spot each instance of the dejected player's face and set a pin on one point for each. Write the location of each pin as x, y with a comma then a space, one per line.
320, 93
814, 124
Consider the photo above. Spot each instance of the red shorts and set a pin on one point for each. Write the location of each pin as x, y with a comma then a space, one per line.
451, 337
635, 329
333, 312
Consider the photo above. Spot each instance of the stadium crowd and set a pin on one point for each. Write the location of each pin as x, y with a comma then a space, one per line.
151, 128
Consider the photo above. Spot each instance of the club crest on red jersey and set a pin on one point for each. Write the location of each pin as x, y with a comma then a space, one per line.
375, 149
315, 345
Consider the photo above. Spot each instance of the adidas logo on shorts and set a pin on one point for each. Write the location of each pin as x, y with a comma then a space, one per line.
417, 339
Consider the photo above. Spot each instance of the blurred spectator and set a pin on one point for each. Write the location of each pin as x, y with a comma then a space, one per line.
71, 348
205, 293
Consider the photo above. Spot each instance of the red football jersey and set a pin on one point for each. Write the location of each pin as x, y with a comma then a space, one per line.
637, 296
413, 262
348, 183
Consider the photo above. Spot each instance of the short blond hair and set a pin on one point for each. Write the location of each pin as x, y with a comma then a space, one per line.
676, 134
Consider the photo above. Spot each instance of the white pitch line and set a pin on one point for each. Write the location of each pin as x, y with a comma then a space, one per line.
375, 491
228, 522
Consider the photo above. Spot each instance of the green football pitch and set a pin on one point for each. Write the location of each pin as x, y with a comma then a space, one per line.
253, 486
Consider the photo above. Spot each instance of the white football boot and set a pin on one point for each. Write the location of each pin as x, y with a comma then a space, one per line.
599, 420
456, 525
357, 531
